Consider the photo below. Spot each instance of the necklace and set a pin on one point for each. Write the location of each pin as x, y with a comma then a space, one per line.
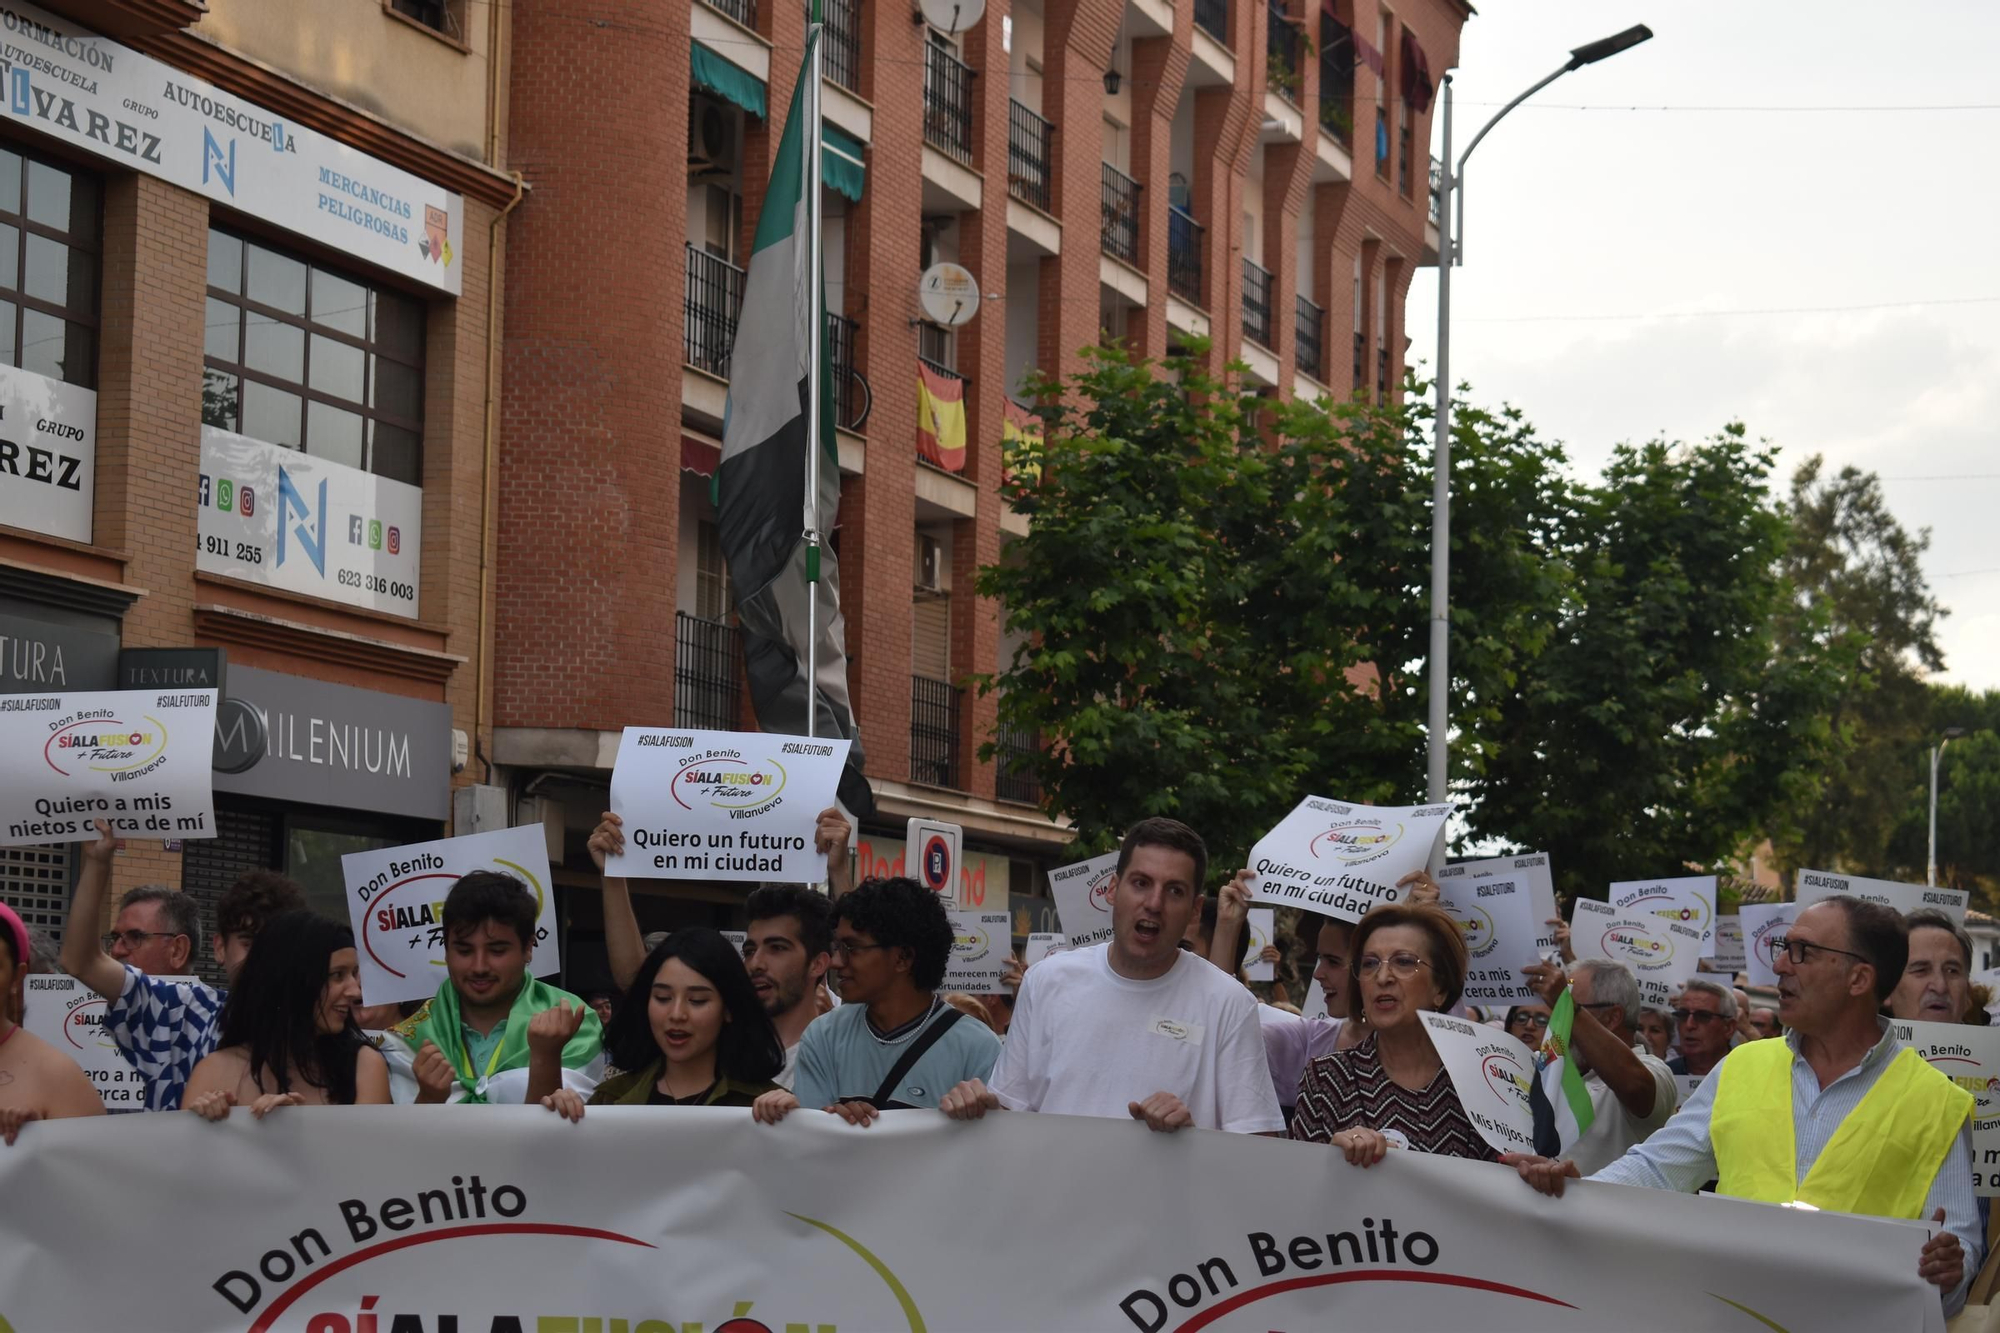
910, 1029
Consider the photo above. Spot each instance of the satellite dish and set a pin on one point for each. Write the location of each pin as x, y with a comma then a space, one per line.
952, 16
949, 294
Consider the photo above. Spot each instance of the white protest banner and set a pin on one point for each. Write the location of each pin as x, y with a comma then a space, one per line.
1340, 859
1490, 1071
1815, 885
1532, 870
1662, 952
1725, 946
69, 1016
1083, 899
1498, 921
395, 900
1040, 945
1762, 924
138, 759
980, 947
722, 805
1689, 900
703, 1219
1970, 1057
1260, 928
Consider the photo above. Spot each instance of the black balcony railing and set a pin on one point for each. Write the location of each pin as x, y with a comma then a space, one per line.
1183, 255
1360, 363
1012, 746
1308, 337
852, 398
842, 35
937, 347
743, 11
708, 673
947, 102
1212, 17
1336, 79
933, 732
714, 295
1285, 69
1121, 215
1403, 139
1437, 189
1257, 303
1381, 374
1028, 156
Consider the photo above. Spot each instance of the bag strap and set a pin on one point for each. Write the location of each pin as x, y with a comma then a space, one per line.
913, 1053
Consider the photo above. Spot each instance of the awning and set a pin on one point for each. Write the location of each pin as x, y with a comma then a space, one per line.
732, 83
701, 457
840, 166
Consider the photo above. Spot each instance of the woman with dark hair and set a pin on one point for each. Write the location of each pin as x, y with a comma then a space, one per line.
288, 1032
1528, 1023
689, 1032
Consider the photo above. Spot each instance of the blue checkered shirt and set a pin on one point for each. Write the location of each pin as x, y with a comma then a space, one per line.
164, 1028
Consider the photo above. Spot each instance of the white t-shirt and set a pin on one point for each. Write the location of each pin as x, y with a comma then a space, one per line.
1614, 1129
1086, 1041
783, 1078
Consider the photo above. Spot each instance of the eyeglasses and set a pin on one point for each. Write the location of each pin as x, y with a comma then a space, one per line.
1532, 1020
1403, 966
1698, 1016
134, 939
851, 947
1795, 949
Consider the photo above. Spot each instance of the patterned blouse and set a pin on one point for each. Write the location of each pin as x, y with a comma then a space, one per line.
1350, 1089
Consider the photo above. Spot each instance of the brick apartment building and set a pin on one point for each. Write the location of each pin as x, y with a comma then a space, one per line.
1248, 171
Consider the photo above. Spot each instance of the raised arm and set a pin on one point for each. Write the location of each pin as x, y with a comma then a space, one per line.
830, 835
624, 946
82, 958
1232, 909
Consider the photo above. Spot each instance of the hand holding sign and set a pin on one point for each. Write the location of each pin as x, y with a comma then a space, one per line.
1340, 859
1490, 1071
1083, 899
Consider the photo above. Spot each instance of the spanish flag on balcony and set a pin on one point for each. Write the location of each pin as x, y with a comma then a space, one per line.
940, 419
1020, 443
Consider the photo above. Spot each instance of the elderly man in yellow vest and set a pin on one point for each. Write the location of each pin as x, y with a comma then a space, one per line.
1838, 1115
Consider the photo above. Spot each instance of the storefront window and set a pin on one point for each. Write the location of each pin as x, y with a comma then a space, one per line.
49, 218
312, 359
312, 857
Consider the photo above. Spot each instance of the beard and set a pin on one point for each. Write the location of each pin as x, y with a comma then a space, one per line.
786, 992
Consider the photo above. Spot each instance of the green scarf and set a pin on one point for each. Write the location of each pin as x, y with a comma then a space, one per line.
440, 1023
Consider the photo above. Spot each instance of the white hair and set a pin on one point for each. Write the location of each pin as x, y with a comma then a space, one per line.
1612, 983
1725, 998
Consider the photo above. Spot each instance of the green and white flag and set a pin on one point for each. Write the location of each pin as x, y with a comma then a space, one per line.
760, 488
1561, 1081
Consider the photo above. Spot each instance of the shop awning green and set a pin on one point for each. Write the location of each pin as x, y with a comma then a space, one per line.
840, 166
728, 81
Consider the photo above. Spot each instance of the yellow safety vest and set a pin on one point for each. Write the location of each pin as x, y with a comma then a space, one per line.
1879, 1162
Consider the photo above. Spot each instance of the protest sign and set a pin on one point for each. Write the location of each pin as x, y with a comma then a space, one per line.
1340, 859
395, 900
1259, 929
137, 759
69, 1016
1315, 1005
1815, 885
1661, 950
1687, 1083
1531, 870
1725, 946
1083, 899
1498, 921
722, 805
737, 938
1040, 945
705, 1219
1970, 1057
1490, 1071
980, 948
1762, 924
1689, 900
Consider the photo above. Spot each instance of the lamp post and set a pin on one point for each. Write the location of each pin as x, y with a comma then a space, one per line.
1937, 756
1450, 252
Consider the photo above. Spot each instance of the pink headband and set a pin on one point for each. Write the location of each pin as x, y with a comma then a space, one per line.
20, 934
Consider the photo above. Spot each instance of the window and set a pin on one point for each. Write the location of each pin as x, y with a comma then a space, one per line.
311, 359
711, 573
48, 269
438, 15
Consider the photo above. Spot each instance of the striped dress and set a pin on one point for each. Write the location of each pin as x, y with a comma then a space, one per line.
1350, 1090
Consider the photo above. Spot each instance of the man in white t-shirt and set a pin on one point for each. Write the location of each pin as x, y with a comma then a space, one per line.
1135, 1027
1632, 1092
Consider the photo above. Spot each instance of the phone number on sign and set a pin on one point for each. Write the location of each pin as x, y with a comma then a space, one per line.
375, 583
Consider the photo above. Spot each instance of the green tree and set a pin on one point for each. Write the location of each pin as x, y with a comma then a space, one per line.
1968, 797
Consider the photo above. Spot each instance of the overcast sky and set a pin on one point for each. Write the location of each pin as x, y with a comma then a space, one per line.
1613, 212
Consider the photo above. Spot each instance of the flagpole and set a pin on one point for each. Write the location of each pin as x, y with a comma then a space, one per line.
815, 341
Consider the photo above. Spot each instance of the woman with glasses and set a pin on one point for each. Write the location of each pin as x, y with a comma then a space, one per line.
1528, 1023
689, 1031
1392, 1088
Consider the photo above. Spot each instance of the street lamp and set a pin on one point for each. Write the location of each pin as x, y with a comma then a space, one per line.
1451, 252
1937, 755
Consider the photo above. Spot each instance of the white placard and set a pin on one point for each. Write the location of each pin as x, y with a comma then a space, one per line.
395, 899
1763, 923
143, 115
1259, 929
1970, 1057
1661, 951
48, 454
1340, 859
1531, 869
1725, 946
737, 939
1689, 900
1498, 921
1083, 899
1685, 1085
1040, 945
722, 805
1315, 1005
69, 1016
1491, 1071
1815, 885
138, 759
980, 947
940, 853
309, 525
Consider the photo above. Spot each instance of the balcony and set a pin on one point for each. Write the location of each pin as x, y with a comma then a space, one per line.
1403, 137
1028, 156
1336, 80
933, 732
714, 296
1184, 255
842, 35
1382, 374
937, 347
947, 103
1436, 190
1121, 215
1308, 337
1257, 304
708, 673
852, 399
1212, 17
1012, 746
1285, 69
743, 11
1360, 363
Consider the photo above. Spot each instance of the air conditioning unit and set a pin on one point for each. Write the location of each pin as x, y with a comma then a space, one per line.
930, 561
711, 140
